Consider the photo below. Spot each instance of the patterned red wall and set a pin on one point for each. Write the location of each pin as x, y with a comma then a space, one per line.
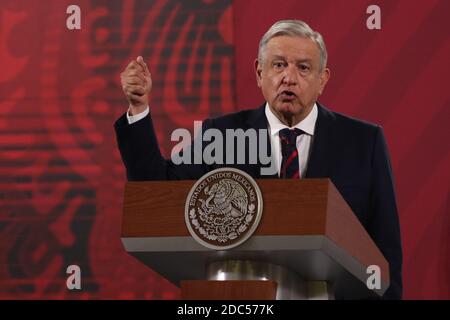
61, 178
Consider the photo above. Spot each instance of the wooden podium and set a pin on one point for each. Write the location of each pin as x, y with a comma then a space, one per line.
308, 244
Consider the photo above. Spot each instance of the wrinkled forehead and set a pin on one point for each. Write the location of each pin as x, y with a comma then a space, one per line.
291, 48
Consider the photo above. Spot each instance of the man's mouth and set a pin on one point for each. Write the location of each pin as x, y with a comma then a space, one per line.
287, 95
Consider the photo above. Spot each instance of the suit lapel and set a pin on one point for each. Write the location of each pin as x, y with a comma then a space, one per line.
258, 120
320, 157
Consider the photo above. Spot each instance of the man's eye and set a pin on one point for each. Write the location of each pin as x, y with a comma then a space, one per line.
278, 65
303, 67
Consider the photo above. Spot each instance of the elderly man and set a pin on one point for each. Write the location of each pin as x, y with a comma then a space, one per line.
307, 140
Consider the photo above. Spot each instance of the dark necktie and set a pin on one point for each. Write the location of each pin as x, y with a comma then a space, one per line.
289, 162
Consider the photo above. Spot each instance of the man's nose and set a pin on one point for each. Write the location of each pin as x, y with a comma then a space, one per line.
290, 75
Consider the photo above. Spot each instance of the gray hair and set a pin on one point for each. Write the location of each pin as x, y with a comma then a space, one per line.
294, 28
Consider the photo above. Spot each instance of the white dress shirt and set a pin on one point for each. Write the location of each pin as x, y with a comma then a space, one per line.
303, 142
137, 117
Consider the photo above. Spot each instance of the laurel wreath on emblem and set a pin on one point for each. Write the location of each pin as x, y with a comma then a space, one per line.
225, 214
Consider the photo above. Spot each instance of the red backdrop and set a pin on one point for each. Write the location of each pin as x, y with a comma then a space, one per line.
61, 178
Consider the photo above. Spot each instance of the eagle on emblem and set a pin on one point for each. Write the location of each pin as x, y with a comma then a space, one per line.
225, 198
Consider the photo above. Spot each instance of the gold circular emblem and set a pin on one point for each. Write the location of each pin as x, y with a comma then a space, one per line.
223, 208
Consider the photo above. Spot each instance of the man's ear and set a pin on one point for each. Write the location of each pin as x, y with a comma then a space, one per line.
324, 77
258, 70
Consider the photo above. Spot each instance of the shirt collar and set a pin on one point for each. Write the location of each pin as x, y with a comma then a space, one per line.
307, 125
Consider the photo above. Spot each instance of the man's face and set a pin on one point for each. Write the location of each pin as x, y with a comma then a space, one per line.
290, 78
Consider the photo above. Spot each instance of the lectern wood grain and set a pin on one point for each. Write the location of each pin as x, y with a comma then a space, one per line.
156, 208
228, 290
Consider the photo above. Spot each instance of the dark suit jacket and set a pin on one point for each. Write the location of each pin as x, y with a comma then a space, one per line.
352, 153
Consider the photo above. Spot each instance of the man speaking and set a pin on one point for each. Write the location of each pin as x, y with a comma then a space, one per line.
306, 139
